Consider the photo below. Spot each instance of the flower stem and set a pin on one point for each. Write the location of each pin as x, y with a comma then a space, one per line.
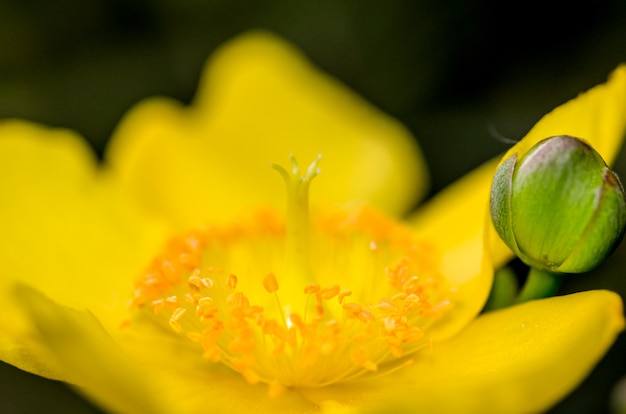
503, 290
539, 284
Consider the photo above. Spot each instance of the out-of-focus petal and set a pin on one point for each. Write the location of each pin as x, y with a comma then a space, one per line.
63, 229
88, 357
259, 101
64, 232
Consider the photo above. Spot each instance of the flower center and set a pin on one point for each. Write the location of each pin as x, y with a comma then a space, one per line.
299, 302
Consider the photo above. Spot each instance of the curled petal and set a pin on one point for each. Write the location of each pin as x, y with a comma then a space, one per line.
88, 357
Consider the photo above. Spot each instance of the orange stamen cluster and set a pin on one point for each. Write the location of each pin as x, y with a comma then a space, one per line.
376, 293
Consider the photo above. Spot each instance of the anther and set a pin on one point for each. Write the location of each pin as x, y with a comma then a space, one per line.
178, 313
330, 292
158, 305
169, 270
411, 285
231, 281
205, 302
195, 281
270, 283
312, 340
188, 260
344, 294
312, 288
237, 300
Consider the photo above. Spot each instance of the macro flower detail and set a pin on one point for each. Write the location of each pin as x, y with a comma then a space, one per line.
359, 295
238, 304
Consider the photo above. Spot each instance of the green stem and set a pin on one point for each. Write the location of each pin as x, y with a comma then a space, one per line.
540, 284
503, 291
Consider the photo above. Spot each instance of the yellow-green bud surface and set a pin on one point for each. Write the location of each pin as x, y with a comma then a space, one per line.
558, 207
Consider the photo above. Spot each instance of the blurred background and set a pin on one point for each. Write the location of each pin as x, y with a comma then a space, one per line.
459, 74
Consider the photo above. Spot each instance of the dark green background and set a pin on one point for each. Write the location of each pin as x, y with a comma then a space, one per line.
457, 73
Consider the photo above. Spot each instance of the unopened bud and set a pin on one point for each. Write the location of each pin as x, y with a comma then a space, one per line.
558, 207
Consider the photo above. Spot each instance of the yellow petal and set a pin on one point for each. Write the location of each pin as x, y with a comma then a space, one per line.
454, 221
210, 388
217, 389
597, 116
259, 101
200, 386
63, 231
89, 358
517, 360
136, 376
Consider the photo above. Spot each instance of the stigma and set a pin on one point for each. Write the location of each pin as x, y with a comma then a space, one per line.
299, 299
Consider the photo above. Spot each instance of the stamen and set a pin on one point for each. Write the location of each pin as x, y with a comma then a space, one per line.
330, 292
343, 294
178, 313
270, 283
359, 312
312, 288
231, 282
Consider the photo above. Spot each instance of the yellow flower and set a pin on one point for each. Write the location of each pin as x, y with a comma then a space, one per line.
378, 316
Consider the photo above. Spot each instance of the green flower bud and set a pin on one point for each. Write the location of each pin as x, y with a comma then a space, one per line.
558, 207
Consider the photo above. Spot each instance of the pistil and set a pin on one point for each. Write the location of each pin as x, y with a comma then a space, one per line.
298, 270
299, 302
